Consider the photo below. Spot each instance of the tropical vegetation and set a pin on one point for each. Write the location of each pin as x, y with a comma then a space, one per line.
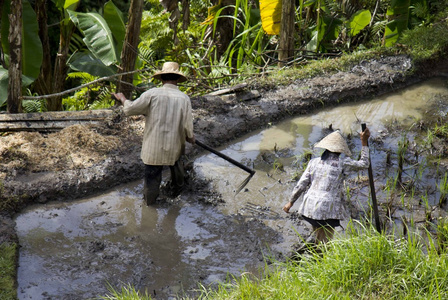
77, 51
72, 59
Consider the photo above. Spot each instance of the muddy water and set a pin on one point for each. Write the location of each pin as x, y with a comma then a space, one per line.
75, 250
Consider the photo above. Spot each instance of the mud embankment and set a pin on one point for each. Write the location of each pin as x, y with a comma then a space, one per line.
87, 160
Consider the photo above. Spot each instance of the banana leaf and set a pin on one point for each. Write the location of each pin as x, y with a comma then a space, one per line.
62, 5
398, 16
97, 36
31, 45
271, 15
32, 52
359, 21
86, 62
115, 20
4, 81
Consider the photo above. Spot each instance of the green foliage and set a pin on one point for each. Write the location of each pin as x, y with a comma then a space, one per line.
443, 189
87, 98
8, 256
125, 293
366, 265
398, 19
317, 67
32, 106
427, 41
32, 52
442, 234
98, 36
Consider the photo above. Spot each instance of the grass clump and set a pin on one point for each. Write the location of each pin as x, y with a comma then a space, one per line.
127, 292
367, 265
427, 41
8, 255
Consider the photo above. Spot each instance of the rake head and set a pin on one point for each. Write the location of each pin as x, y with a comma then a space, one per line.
244, 183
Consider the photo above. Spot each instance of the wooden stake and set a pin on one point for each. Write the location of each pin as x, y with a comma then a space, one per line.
372, 190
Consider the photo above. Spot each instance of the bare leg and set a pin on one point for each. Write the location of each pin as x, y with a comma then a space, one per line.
324, 234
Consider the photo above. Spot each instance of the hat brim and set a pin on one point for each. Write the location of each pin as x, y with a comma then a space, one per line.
159, 74
334, 142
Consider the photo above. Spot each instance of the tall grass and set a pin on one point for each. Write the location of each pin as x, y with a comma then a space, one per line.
8, 254
367, 265
363, 264
127, 292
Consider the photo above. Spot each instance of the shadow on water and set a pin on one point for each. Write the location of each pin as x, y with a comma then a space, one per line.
74, 250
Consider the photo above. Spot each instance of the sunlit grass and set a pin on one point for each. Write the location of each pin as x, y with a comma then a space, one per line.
125, 293
317, 67
366, 265
8, 254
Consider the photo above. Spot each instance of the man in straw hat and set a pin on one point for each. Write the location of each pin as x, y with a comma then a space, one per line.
323, 204
168, 124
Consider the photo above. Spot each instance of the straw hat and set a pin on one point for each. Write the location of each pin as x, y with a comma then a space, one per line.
334, 142
170, 68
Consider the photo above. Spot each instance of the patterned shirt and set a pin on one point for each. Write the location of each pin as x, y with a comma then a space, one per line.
324, 179
168, 122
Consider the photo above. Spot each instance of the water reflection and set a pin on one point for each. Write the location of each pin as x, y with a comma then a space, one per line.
73, 250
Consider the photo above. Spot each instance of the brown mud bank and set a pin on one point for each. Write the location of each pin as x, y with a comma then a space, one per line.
84, 160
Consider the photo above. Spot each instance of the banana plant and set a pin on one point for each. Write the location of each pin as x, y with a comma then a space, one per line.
103, 36
31, 48
398, 19
247, 32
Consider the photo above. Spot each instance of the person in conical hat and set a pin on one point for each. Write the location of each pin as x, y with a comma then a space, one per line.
334, 142
168, 125
321, 184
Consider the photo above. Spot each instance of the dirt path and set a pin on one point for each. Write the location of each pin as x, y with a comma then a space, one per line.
83, 160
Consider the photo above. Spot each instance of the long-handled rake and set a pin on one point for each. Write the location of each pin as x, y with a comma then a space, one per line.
231, 160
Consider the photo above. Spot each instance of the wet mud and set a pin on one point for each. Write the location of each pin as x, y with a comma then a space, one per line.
38, 168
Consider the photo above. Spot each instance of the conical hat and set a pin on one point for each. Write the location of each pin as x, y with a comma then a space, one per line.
170, 67
334, 142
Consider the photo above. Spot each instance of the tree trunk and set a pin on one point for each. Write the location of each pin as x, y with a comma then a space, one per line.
224, 27
14, 102
61, 69
286, 45
43, 83
129, 52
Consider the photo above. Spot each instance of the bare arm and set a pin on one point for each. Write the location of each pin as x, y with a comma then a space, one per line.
120, 97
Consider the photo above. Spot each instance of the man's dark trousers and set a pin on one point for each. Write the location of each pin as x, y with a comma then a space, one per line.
153, 178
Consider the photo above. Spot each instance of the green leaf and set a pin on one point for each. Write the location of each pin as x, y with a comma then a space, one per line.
359, 21
65, 4
85, 62
31, 45
4, 30
97, 36
115, 20
3, 85
4, 82
398, 16
32, 52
